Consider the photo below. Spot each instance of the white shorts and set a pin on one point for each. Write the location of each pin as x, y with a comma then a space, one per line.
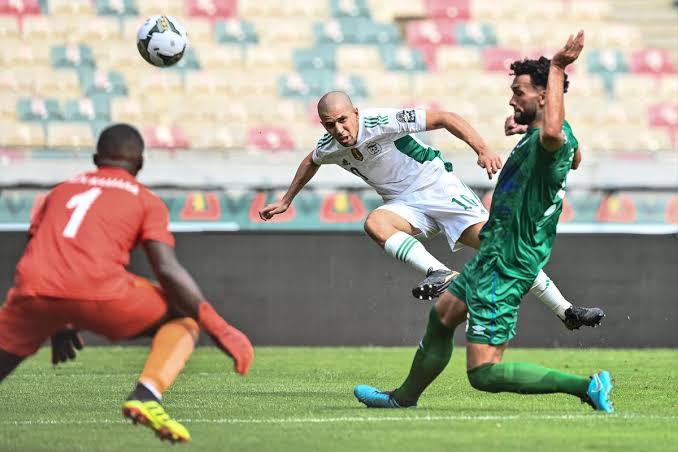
448, 206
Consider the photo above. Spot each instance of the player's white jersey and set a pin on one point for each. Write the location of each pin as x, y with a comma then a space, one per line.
386, 155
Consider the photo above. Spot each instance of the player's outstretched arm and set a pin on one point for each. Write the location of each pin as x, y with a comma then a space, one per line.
305, 172
183, 293
551, 134
461, 129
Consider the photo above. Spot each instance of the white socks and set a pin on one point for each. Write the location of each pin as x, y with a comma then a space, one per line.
407, 249
547, 292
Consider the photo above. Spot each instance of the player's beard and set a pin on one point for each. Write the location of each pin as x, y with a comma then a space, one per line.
526, 116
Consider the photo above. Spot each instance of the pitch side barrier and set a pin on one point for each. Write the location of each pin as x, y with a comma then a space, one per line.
340, 289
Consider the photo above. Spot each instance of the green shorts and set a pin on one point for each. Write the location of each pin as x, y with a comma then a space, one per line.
492, 299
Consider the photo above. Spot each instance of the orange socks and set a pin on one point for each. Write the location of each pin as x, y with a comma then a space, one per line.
172, 345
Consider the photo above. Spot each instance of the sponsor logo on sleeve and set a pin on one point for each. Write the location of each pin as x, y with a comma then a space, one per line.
406, 116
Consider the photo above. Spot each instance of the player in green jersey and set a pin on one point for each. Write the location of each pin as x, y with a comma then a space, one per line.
516, 243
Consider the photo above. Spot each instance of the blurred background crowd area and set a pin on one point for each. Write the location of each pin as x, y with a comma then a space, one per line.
254, 69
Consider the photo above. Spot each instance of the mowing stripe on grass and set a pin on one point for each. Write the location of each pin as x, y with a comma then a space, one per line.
330, 420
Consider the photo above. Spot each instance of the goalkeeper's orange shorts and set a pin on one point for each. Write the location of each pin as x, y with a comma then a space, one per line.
26, 322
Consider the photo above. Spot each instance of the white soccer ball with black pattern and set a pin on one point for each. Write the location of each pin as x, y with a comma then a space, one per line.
162, 41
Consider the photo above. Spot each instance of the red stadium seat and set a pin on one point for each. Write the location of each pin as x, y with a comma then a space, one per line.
212, 8
20, 7
652, 61
270, 138
435, 32
497, 59
165, 137
664, 115
450, 9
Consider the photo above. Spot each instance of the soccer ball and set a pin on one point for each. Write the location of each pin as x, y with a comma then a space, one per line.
161, 41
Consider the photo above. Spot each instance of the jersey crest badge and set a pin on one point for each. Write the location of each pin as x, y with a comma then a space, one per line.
374, 148
357, 155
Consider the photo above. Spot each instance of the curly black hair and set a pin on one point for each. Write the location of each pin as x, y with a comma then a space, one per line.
538, 70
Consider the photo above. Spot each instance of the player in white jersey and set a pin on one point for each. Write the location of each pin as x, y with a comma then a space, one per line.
422, 196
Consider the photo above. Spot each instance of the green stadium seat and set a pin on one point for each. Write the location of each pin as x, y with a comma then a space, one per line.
92, 108
349, 8
319, 57
606, 61
102, 82
474, 34
235, 32
356, 30
38, 109
398, 58
117, 8
189, 62
74, 56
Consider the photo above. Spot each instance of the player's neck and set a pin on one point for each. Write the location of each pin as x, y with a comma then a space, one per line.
538, 122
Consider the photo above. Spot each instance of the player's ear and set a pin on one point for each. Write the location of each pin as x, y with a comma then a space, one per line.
542, 97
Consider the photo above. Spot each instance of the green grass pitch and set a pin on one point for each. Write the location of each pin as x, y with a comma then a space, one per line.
298, 399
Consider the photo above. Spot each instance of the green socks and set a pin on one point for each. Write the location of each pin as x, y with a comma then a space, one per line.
525, 378
433, 354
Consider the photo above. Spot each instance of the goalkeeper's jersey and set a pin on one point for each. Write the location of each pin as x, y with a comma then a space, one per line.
386, 156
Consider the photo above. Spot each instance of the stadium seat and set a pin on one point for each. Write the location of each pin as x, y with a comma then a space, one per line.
402, 58
70, 8
458, 59
207, 82
20, 8
381, 85
201, 31
663, 115
18, 54
87, 109
270, 138
358, 30
189, 62
474, 34
319, 57
499, 60
8, 106
165, 137
268, 59
95, 81
42, 28
210, 135
293, 32
215, 56
298, 9
349, 8
97, 30
59, 84
174, 8
117, 8
9, 28
605, 61
38, 109
72, 56
448, 9
69, 135
434, 32
212, 9
235, 31
159, 82
390, 10
129, 110
21, 134
651, 61
358, 58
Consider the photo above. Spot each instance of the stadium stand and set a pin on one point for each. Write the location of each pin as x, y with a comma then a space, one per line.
254, 68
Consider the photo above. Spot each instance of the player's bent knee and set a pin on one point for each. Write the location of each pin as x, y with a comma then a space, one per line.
482, 378
190, 325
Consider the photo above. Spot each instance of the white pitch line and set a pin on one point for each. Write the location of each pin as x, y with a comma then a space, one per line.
349, 419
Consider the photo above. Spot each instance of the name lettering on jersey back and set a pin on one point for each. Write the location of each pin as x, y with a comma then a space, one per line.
108, 182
